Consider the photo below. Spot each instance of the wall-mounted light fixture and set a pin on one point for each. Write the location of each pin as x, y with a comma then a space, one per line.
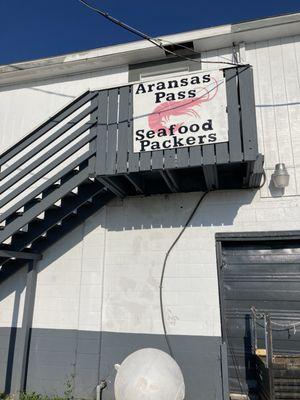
280, 177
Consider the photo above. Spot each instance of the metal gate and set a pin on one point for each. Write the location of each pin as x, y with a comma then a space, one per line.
261, 271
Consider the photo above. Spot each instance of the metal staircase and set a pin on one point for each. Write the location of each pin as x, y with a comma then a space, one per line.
82, 157
47, 183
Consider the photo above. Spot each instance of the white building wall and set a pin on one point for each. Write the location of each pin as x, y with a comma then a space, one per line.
276, 71
25, 106
12, 300
109, 281
118, 255
276, 66
104, 276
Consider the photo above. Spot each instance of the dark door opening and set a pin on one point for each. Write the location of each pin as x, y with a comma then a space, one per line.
263, 272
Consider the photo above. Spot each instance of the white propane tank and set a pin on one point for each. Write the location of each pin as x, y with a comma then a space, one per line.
149, 374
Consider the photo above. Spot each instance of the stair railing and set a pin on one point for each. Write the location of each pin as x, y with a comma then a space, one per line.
43, 158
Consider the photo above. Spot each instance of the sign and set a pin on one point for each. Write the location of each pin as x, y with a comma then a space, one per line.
182, 111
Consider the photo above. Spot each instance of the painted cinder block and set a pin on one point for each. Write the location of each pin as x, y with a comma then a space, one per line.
98, 288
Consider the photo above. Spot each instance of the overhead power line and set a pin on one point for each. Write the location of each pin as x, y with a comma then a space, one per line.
156, 42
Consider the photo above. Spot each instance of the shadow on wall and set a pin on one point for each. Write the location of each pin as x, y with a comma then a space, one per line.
154, 212
9, 335
218, 209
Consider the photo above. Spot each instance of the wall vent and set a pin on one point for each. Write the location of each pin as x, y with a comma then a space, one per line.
182, 49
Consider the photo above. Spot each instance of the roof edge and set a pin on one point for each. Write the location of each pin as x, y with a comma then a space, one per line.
140, 51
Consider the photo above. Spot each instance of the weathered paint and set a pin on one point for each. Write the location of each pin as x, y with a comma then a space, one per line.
265, 275
104, 276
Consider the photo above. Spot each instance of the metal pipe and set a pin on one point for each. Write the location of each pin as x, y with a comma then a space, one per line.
99, 389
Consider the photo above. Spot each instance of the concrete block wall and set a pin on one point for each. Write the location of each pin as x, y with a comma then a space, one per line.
98, 289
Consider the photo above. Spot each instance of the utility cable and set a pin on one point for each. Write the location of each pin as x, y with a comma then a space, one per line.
156, 42
159, 43
164, 270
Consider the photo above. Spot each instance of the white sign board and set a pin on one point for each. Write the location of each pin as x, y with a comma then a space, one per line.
182, 111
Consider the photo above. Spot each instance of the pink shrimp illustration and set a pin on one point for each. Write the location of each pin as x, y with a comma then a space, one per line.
160, 117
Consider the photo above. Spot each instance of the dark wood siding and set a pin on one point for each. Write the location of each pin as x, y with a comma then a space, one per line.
115, 147
265, 275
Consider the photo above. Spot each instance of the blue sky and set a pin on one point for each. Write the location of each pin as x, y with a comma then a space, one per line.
41, 28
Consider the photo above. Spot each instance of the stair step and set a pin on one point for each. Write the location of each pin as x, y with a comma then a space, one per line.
38, 242
69, 175
20, 233
19, 237
54, 207
84, 186
42, 242
50, 189
54, 232
24, 229
7, 241
83, 165
32, 225
13, 216
60, 219
88, 181
69, 194
32, 203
